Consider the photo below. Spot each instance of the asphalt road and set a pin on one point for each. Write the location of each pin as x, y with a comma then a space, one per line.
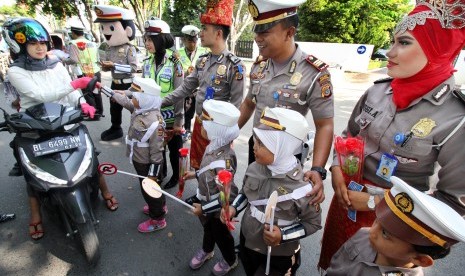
125, 251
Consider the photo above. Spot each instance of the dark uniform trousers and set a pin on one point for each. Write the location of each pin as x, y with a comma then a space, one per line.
116, 110
279, 265
214, 231
155, 204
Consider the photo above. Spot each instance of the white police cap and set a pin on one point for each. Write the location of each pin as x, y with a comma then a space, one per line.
156, 26
147, 86
418, 218
106, 13
287, 120
190, 30
220, 112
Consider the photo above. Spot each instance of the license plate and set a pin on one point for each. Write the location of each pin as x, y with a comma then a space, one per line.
57, 144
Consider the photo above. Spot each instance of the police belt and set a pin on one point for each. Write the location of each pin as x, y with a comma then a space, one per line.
122, 81
260, 216
204, 198
133, 142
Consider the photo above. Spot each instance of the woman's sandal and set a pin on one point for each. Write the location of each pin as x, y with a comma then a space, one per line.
111, 203
37, 234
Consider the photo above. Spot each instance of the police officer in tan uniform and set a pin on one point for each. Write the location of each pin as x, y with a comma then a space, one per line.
285, 76
411, 231
118, 27
219, 74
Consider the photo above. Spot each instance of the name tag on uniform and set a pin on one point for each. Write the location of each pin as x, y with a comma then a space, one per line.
387, 166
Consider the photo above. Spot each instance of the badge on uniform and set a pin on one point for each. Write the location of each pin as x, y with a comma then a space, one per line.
221, 71
202, 63
387, 166
423, 127
209, 93
147, 67
295, 78
326, 91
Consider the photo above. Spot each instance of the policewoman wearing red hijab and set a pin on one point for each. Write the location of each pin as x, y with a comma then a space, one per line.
409, 122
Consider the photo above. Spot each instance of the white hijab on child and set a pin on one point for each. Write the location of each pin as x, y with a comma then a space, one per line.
283, 145
146, 102
219, 135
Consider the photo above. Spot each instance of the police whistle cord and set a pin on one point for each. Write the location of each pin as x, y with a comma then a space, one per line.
150, 186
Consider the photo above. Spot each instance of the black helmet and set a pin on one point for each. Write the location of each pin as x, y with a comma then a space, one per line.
20, 30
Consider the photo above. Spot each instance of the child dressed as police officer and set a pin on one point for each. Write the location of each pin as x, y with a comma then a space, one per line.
278, 138
145, 143
410, 231
219, 126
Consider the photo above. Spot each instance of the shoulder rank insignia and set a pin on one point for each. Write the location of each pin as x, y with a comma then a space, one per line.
233, 58
318, 64
228, 164
383, 80
441, 92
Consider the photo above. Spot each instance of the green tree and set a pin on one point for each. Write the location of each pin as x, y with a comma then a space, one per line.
14, 11
351, 21
182, 13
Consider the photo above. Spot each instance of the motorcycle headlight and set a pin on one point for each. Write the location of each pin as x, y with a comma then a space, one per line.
38, 172
86, 161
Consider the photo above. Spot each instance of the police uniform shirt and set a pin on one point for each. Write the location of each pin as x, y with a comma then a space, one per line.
208, 188
220, 73
259, 184
357, 257
430, 120
125, 55
300, 86
153, 154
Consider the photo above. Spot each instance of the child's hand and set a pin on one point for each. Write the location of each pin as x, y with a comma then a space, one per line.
121, 92
232, 213
198, 209
272, 238
188, 175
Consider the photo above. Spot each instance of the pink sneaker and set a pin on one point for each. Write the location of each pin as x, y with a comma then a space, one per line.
222, 267
200, 258
146, 209
151, 225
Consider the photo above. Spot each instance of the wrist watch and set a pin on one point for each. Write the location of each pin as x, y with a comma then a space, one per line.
371, 202
321, 171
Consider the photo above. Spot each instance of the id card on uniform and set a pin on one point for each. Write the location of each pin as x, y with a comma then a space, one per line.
354, 186
147, 70
387, 166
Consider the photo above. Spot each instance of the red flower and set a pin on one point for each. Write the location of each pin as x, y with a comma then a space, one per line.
81, 45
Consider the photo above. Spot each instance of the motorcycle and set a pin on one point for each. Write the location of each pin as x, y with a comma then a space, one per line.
59, 162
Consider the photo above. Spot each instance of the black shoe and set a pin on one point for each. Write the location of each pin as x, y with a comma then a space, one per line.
6, 217
191, 200
173, 182
15, 171
111, 134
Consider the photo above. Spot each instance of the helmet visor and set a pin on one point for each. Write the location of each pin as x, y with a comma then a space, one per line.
29, 31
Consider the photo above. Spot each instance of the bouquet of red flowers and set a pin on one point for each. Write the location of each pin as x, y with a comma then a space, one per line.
350, 155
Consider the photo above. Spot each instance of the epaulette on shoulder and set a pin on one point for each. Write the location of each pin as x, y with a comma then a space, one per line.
233, 58
260, 59
388, 79
204, 55
317, 63
460, 95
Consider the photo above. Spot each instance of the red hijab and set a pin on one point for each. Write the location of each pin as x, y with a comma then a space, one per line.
441, 46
